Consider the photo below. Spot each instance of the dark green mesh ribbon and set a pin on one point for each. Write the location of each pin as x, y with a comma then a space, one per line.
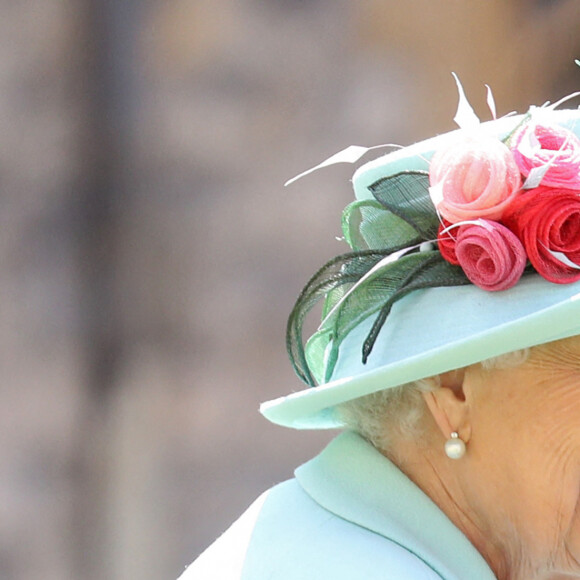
386, 233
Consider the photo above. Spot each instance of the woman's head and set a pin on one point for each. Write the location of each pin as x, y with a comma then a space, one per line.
456, 316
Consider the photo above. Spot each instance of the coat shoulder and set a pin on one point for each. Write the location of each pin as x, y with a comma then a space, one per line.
286, 535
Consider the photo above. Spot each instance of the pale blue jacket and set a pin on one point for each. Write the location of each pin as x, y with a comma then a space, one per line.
349, 514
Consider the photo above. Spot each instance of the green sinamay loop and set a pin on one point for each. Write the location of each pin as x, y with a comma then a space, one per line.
406, 195
386, 266
342, 270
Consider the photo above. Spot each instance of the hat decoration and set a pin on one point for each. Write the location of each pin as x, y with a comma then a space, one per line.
487, 212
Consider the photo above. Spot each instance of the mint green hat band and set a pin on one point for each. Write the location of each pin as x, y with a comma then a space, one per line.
435, 329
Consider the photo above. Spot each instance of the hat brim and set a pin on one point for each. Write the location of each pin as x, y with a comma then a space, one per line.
423, 339
422, 336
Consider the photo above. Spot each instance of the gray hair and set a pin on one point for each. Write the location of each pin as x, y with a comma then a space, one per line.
398, 411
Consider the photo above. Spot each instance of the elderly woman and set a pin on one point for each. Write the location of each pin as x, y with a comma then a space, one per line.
450, 350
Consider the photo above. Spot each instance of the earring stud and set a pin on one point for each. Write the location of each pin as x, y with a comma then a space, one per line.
454, 446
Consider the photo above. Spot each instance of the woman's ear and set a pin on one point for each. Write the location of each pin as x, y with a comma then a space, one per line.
448, 406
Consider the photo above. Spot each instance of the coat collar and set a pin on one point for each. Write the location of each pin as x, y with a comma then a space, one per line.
351, 479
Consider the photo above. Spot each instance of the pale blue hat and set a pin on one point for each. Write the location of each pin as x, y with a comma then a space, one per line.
439, 327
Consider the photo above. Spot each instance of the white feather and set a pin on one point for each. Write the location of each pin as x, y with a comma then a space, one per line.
465, 116
349, 155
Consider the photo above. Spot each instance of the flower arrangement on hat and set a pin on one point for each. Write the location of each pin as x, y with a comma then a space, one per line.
483, 208
504, 204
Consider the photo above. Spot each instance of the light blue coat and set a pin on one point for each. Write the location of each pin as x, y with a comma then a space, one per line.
349, 514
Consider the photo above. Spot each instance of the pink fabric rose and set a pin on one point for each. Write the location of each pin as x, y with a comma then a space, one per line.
474, 177
491, 256
553, 148
547, 221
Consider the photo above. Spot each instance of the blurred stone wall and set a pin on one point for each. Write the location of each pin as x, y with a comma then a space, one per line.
150, 254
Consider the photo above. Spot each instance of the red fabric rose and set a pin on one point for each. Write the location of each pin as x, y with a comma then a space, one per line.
547, 221
473, 177
446, 240
553, 148
491, 256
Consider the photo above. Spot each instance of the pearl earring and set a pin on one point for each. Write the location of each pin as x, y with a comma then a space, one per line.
454, 447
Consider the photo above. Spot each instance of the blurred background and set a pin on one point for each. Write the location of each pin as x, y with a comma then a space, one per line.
150, 255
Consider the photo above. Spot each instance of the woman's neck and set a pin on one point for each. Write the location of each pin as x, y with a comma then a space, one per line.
448, 486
